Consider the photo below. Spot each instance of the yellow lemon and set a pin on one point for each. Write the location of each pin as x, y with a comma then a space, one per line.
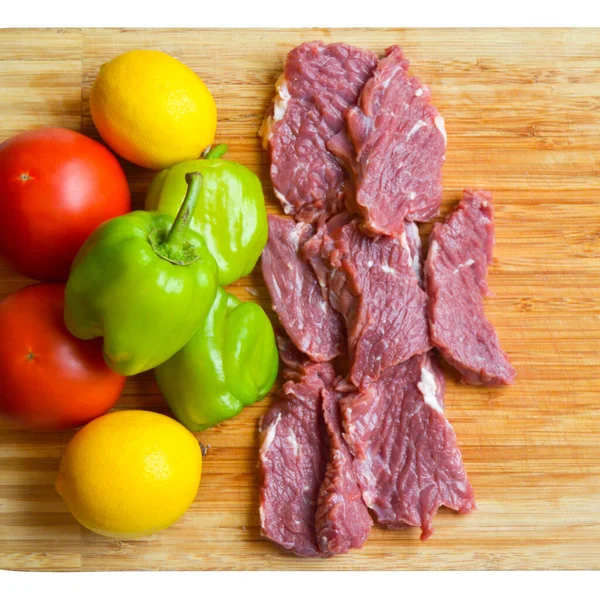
129, 474
152, 109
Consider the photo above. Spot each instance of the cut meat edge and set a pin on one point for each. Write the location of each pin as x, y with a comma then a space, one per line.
318, 84
406, 455
342, 520
399, 140
293, 457
346, 263
311, 504
312, 324
455, 271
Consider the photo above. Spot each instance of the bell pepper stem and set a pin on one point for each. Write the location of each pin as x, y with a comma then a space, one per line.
178, 231
216, 152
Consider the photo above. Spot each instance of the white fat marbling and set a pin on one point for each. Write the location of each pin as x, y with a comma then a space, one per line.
428, 388
416, 265
282, 99
441, 125
270, 435
280, 103
287, 207
277, 290
295, 236
467, 263
420, 123
293, 440
404, 242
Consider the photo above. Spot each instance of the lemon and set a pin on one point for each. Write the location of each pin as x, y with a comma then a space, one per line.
152, 110
129, 474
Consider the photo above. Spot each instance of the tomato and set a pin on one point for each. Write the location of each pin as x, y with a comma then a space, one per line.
50, 380
56, 187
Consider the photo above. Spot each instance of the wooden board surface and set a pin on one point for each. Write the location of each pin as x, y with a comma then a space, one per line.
522, 109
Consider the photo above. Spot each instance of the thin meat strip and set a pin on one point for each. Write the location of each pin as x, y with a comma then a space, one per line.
310, 502
399, 141
406, 455
318, 84
310, 321
293, 457
373, 284
455, 272
342, 519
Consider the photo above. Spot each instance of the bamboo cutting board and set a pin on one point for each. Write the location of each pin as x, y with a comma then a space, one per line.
522, 109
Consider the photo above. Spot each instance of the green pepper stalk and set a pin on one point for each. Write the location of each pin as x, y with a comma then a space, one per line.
216, 152
144, 282
174, 247
230, 214
181, 223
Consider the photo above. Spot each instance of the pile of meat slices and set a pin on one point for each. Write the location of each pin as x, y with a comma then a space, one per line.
359, 431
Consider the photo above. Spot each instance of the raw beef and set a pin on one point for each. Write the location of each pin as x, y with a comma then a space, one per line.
371, 282
318, 84
293, 457
310, 321
456, 270
406, 454
319, 250
342, 520
416, 249
400, 143
294, 361
310, 502
348, 132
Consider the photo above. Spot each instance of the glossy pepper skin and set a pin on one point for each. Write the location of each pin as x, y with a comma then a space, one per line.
230, 214
230, 362
144, 283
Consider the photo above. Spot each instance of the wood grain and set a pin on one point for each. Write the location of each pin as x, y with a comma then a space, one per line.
523, 119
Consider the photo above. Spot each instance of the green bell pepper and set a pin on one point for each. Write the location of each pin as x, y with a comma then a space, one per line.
145, 283
230, 362
230, 214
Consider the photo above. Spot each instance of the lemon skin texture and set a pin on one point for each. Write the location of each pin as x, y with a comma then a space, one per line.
152, 110
130, 474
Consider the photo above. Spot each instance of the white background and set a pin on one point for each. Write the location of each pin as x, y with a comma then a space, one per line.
299, 13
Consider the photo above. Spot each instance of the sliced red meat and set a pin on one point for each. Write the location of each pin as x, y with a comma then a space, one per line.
406, 455
293, 457
318, 84
293, 360
416, 249
343, 285
456, 271
310, 500
400, 143
371, 282
312, 253
342, 519
309, 320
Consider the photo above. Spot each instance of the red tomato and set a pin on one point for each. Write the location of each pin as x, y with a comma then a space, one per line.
56, 187
50, 380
